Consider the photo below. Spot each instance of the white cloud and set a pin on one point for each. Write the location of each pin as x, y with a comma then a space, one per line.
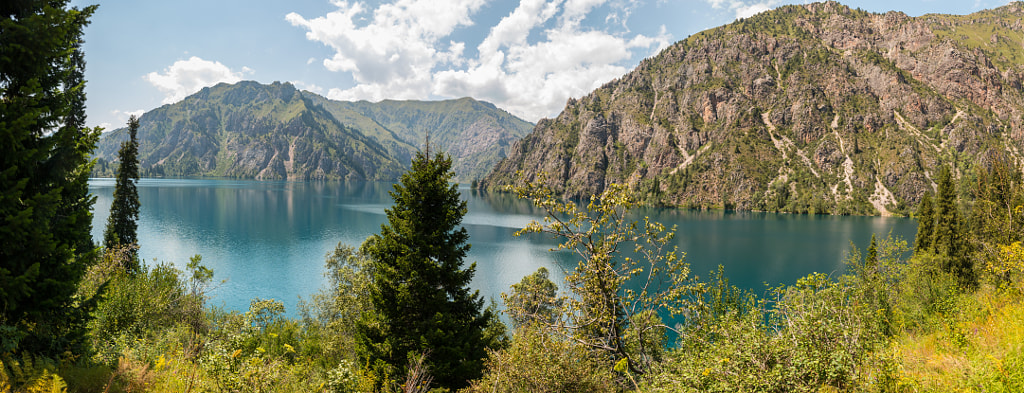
531, 62
185, 77
744, 8
122, 119
311, 87
396, 49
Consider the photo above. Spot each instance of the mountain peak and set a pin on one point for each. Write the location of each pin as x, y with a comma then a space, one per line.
805, 108
274, 131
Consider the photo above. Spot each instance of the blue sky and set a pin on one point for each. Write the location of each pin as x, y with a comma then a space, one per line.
527, 57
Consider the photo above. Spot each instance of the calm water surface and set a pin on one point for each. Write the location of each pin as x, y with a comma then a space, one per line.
268, 239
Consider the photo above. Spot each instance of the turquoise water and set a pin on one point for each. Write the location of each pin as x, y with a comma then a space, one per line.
268, 239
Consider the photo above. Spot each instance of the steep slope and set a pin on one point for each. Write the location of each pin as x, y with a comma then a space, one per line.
250, 130
476, 134
815, 108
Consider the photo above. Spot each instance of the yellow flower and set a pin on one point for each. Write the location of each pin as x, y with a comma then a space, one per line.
236, 353
289, 348
707, 371
160, 362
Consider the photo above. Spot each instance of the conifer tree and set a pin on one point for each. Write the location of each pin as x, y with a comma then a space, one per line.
45, 206
949, 239
925, 224
420, 295
872, 259
122, 224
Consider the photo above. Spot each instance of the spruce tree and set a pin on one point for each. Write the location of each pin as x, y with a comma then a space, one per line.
949, 239
420, 295
872, 259
122, 224
925, 224
45, 206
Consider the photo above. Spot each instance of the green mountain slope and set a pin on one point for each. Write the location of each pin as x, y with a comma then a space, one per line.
476, 134
815, 108
250, 130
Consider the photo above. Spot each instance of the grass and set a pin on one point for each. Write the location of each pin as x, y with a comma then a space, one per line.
979, 347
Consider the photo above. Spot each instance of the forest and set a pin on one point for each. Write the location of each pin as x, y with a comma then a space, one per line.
945, 313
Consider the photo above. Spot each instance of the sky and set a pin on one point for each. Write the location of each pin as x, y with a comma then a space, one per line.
527, 57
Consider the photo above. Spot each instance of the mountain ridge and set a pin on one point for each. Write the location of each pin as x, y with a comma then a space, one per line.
275, 131
814, 108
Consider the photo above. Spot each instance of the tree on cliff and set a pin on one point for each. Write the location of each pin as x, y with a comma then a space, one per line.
122, 223
45, 206
422, 304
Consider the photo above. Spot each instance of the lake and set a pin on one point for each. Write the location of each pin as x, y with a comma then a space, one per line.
268, 239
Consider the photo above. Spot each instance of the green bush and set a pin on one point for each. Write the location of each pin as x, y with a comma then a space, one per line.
539, 361
142, 307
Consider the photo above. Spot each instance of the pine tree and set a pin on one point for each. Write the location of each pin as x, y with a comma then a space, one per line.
122, 224
420, 295
925, 224
45, 206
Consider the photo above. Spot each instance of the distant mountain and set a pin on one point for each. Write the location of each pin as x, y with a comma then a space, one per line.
809, 108
251, 130
476, 134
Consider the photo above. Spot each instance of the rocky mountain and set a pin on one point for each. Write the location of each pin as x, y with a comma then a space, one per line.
476, 134
251, 130
806, 108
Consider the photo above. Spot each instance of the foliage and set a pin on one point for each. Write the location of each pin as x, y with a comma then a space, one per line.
30, 375
538, 361
626, 275
124, 211
332, 313
1008, 266
135, 306
250, 351
943, 234
820, 332
976, 347
925, 223
534, 299
421, 302
44, 167
997, 220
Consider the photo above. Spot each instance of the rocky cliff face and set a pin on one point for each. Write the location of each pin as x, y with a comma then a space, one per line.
816, 108
250, 130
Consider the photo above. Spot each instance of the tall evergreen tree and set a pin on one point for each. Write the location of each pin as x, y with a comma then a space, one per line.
122, 224
421, 300
872, 258
925, 224
45, 206
949, 239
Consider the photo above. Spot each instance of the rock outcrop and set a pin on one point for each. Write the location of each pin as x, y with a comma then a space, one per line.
814, 108
254, 131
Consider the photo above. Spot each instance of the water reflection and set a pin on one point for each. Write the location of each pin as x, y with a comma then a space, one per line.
269, 239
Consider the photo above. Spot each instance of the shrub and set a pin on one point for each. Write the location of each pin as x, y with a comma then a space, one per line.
537, 361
